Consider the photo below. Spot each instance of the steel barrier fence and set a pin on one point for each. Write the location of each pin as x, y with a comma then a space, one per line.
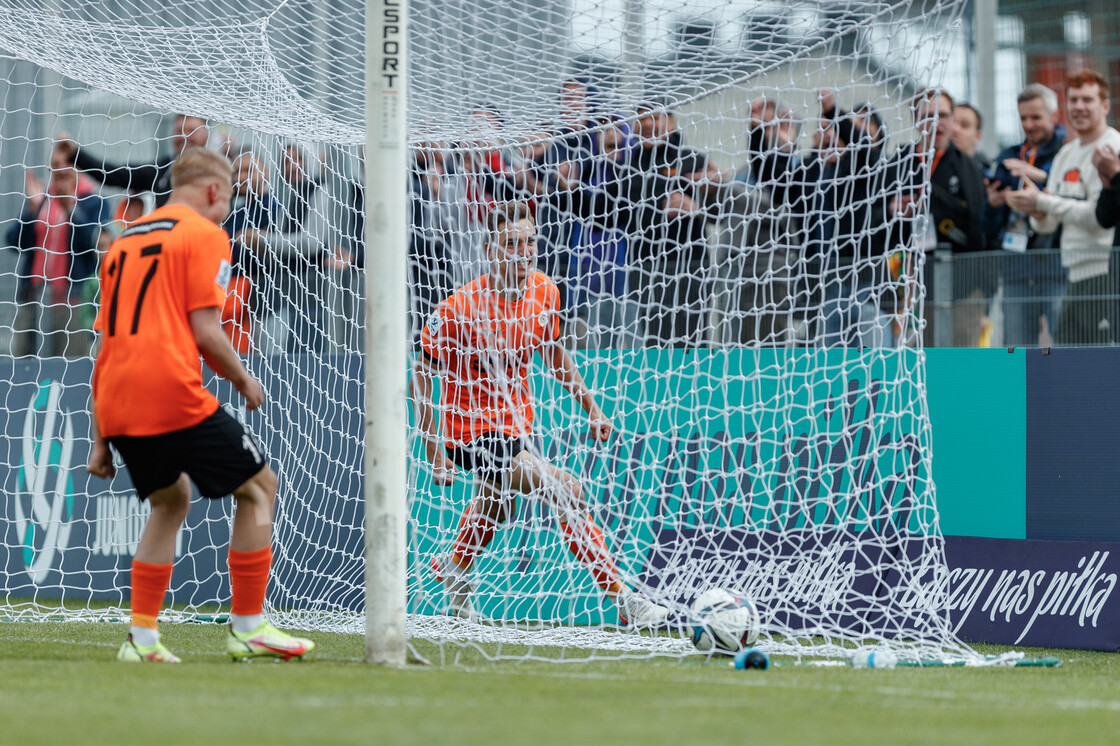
1007, 299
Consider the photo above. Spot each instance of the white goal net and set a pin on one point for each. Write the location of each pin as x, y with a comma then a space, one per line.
727, 197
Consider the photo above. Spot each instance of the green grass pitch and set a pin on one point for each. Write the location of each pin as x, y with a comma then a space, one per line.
59, 683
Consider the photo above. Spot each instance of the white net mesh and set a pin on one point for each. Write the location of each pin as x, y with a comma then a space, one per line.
719, 194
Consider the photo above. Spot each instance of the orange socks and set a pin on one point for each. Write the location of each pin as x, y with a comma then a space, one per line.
586, 542
149, 584
248, 577
475, 532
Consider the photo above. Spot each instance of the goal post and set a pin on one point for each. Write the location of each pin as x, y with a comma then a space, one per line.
386, 421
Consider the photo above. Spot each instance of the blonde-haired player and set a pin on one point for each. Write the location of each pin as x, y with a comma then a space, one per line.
481, 341
163, 283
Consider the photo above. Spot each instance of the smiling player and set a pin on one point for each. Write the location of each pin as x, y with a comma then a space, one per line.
481, 341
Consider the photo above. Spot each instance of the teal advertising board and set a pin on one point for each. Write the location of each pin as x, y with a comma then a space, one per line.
711, 434
978, 412
761, 441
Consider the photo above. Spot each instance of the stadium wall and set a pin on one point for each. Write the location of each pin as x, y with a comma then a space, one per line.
1025, 464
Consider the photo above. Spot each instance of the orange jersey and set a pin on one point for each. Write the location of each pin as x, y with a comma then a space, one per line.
485, 344
148, 377
236, 319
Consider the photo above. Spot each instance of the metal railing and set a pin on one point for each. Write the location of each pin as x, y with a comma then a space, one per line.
992, 299
1007, 299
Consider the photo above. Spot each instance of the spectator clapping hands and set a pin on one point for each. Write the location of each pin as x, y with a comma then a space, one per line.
1025, 200
1023, 170
34, 189
1107, 164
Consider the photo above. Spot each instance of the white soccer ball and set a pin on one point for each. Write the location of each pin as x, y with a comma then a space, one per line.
723, 621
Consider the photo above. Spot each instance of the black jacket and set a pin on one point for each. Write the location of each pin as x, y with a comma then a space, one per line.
150, 177
997, 218
957, 198
656, 173
85, 228
1108, 207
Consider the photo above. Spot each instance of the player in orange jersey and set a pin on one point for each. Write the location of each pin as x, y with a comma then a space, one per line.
481, 342
163, 284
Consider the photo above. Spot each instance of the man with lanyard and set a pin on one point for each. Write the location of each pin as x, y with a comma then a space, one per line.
955, 203
1089, 313
1032, 270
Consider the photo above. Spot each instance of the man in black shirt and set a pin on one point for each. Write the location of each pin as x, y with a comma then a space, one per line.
1107, 164
1033, 277
186, 132
956, 200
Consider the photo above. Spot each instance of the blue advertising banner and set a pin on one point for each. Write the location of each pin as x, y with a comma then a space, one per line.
1073, 444
1034, 593
808, 580
70, 535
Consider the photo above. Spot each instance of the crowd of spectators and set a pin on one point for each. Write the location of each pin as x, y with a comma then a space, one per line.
295, 247
813, 240
1073, 189
656, 245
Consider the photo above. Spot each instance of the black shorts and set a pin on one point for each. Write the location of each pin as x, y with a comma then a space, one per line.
489, 455
218, 454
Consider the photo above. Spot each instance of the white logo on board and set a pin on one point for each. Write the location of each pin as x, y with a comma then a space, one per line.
44, 501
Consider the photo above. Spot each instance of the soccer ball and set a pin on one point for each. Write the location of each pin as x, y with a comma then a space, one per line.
723, 621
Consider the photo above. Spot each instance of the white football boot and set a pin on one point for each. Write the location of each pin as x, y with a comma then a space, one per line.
457, 583
638, 611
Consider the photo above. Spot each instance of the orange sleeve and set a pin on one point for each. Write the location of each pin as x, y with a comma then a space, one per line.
236, 318
552, 312
99, 322
209, 270
440, 333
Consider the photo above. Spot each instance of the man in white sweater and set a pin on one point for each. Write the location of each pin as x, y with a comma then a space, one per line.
1090, 313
